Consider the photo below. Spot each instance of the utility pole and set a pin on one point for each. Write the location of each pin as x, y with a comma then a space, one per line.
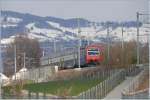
149, 41
54, 45
79, 40
108, 45
1, 65
149, 45
88, 41
88, 37
43, 53
122, 46
15, 60
138, 47
138, 55
24, 55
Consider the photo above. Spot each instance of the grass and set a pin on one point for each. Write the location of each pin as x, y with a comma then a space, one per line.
70, 87
63, 87
11, 89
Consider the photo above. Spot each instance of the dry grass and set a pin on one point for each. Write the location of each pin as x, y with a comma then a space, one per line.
72, 73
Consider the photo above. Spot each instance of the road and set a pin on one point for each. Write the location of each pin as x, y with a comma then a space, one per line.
116, 92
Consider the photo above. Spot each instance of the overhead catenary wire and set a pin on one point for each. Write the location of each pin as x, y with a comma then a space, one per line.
79, 44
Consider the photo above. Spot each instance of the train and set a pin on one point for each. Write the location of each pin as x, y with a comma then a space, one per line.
91, 55
94, 54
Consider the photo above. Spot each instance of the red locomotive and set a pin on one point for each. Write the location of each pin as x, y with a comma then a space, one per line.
93, 53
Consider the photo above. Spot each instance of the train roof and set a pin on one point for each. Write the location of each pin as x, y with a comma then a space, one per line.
100, 45
95, 45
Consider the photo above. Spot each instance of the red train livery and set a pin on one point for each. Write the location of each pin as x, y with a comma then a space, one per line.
93, 53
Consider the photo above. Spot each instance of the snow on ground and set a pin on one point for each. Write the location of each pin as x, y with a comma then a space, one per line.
54, 24
13, 20
43, 34
9, 25
7, 40
20, 74
67, 37
37, 36
51, 33
10, 22
29, 26
91, 33
3, 77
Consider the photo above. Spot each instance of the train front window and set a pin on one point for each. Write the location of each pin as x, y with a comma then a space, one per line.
93, 51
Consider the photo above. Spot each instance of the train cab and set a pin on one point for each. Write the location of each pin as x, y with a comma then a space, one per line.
93, 54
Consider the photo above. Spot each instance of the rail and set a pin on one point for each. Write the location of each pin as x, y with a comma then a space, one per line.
101, 90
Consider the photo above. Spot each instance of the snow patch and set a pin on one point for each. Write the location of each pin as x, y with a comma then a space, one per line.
9, 25
7, 40
13, 20
57, 25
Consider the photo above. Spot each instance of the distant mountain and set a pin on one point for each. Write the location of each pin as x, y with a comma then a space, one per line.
50, 28
64, 32
40, 22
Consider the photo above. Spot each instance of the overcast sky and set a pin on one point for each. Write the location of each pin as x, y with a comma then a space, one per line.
95, 10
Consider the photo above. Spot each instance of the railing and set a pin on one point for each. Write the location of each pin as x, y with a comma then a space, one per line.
114, 77
107, 76
57, 58
133, 70
130, 91
97, 92
104, 87
56, 55
35, 74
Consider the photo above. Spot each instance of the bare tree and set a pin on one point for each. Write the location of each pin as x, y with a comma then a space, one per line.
129, 53
24, 45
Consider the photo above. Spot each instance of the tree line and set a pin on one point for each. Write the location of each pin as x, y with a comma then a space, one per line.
31, 48
126, 55
27, 50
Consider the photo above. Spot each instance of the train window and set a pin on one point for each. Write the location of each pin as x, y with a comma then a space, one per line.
93, 51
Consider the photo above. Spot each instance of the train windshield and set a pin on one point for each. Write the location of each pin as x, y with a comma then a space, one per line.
93, 51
